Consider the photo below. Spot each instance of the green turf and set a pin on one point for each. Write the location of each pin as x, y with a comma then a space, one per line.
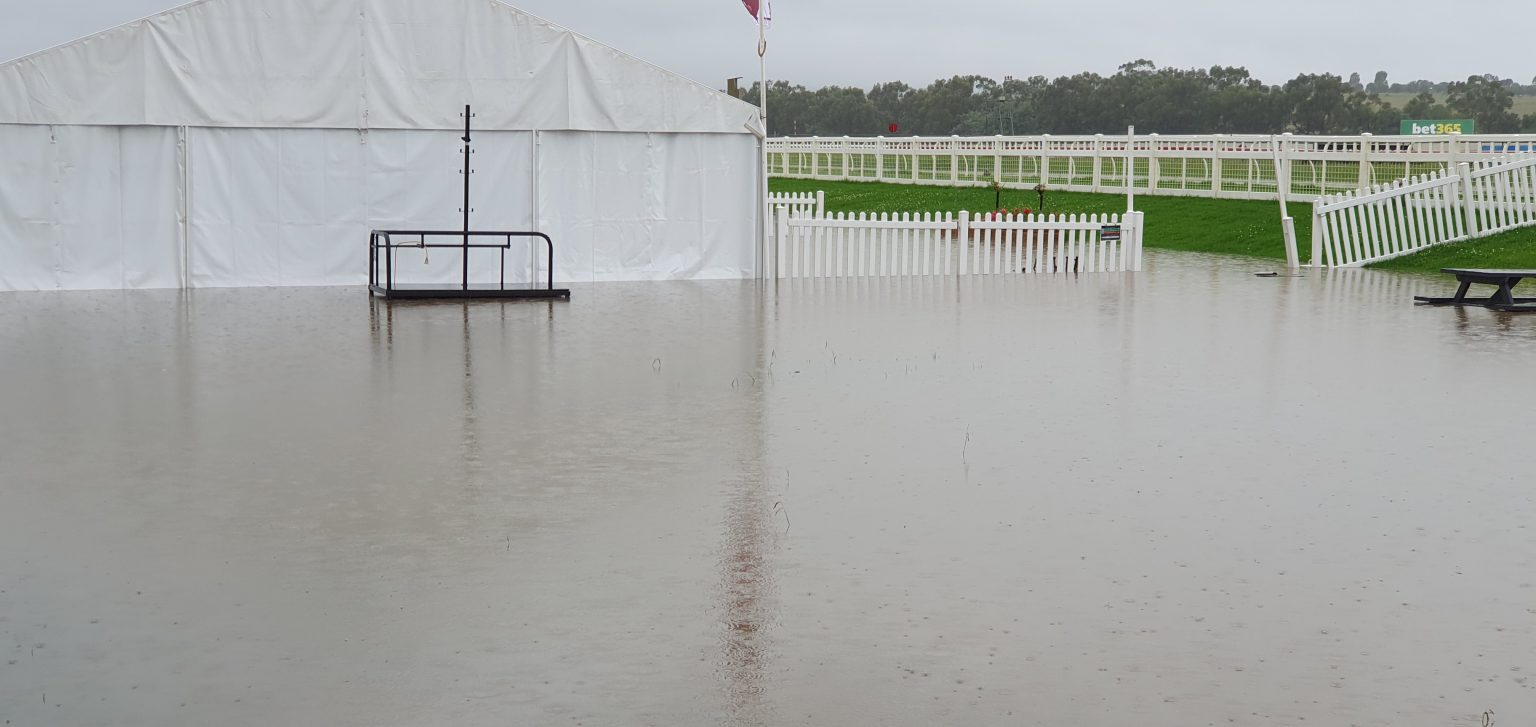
1516, 249
1231, 227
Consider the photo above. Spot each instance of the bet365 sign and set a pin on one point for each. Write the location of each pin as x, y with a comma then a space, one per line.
1438, 127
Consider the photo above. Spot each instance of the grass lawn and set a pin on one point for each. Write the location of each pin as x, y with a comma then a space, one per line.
1523, 104
1231, 227
1515, 249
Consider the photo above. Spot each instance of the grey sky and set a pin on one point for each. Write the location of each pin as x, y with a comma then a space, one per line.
860, 42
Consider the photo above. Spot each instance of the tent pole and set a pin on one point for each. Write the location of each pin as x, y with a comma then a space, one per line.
762, 105
467, 170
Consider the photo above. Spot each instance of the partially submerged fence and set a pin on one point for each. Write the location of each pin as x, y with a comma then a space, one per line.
1385, 221
1232, 167
884, 245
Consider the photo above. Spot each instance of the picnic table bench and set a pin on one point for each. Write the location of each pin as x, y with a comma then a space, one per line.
1502, 299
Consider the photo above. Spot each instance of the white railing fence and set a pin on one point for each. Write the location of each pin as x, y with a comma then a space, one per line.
1386, 221
1231, 167
889, 245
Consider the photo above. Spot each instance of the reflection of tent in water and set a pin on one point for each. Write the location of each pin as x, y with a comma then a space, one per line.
256, 142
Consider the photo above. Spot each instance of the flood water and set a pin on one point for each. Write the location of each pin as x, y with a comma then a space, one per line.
1186, 497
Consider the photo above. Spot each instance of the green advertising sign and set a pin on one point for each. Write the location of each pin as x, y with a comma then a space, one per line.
1433, 127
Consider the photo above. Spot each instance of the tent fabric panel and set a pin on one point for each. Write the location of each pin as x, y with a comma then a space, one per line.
649, 206
356, 64
413, 183
88, 208
102, 207
28, 235
293, 207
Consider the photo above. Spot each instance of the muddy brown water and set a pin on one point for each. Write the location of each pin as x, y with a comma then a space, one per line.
1186, 497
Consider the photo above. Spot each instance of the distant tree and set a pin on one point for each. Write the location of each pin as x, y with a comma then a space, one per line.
839, 111
789, 108
1077, 105
1425, 106
1220, 99
1325, 104
893, 105
1241, 104
1487, 101
1354, 82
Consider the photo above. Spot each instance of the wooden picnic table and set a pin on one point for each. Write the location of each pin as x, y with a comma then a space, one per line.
1503, 299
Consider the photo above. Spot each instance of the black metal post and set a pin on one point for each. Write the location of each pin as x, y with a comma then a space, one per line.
389, 263
467, 171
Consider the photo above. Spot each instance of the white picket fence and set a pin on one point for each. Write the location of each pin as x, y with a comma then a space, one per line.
1502, 196
800, 203
1223, 166
1386, 221
929, 244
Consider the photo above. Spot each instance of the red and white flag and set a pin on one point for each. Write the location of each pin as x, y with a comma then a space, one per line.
752, 6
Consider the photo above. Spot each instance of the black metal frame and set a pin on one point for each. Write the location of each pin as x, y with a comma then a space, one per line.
383, 240
382, 245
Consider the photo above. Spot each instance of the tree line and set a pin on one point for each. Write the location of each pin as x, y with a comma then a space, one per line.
1218, 100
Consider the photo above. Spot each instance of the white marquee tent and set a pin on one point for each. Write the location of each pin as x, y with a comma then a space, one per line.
256, 142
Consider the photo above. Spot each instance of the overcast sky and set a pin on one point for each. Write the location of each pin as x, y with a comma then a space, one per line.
861, 42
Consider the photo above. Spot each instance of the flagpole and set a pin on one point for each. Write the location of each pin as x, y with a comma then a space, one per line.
762, 111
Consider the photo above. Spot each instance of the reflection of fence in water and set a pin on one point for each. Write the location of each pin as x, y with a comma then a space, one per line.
1345, 290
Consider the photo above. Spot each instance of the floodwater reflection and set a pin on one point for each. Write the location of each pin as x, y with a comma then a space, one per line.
1191, 495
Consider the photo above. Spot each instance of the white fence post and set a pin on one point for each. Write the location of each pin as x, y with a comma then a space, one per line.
916, 178
1468, 201
1216, 166
781, 232
1154, 169
1130, 170
963, 241
1098, 161
1365, 161
821, 203
1317, 238
1292, 255
1045, 159
1141, 231
1453, 142
954, 160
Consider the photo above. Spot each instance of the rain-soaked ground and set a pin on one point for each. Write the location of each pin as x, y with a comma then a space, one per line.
1188, 497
